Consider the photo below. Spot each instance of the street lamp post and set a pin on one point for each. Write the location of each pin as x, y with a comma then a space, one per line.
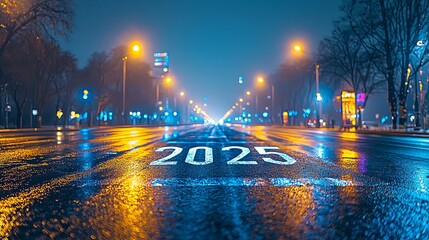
272, 102
416, 102
261, 81
7, 107
124, 79
318, 98
135, 49
298, 48
183, 107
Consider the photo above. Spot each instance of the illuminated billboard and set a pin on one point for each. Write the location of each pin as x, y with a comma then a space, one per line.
348, 109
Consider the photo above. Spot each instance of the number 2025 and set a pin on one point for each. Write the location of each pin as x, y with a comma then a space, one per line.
208, 153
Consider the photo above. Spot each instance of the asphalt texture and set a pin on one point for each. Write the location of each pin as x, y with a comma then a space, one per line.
212, 182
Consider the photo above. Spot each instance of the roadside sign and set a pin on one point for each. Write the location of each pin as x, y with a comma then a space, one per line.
160, 54
161, 59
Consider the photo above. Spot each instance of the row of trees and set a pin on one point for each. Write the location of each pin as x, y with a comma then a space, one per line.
29, 53
35, 73
375, 45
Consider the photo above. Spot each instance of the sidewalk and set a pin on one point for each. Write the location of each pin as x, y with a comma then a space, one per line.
51, 128
385, 131
373, 130
399, 132
42, 129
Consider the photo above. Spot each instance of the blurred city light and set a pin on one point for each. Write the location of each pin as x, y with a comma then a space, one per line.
318, 97
59, 113
85, 94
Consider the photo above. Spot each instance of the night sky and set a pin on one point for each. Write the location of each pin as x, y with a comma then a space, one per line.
211, 43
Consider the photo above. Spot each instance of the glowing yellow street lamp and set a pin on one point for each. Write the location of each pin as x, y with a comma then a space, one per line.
182, 94
191, 102
241, 100
260, 80
135, 50
248, 93
168, 80
297, 48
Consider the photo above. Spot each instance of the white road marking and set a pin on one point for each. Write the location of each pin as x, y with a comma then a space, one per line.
250, 182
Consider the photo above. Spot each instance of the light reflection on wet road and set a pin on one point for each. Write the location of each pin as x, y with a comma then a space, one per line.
100, 184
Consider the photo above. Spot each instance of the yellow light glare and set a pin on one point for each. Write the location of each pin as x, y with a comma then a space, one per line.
297, 48
182, 94
161, 108
260, 80
168, 80
136, 48
241, 100
248, 93
191, 102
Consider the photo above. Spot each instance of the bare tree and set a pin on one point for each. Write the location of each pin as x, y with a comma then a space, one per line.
97, 69
17, 78
53, 17
65, 83
392, 29
293, 85
46, 69
346, 60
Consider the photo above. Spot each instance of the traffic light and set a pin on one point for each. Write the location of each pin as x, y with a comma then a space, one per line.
85, 94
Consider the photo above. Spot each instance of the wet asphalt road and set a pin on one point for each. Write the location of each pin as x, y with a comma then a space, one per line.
213, 182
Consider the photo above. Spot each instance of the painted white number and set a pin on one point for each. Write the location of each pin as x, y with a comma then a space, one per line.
244, 152
262, 150
162, 161
190, 158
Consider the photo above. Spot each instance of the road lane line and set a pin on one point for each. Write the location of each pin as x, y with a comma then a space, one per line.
251, 182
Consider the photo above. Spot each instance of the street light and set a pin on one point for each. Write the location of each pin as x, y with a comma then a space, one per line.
298, 48
135, 49
261, 81
168, 80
